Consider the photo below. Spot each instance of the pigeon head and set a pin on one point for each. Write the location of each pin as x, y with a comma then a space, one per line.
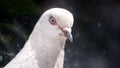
57, 22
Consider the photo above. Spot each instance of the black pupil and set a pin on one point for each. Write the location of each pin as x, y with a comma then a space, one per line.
52, 20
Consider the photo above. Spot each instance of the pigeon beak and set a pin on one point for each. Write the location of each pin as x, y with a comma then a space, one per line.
69, 36
67, 32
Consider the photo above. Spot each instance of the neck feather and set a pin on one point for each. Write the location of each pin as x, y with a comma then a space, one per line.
46, 49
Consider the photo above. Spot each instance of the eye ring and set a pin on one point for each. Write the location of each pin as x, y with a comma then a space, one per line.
52, 20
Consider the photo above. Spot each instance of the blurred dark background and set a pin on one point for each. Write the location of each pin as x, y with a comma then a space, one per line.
96, 30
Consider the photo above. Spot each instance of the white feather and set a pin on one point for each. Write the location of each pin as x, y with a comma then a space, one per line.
45, 46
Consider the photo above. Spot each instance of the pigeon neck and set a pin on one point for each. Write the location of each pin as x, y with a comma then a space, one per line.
46, 49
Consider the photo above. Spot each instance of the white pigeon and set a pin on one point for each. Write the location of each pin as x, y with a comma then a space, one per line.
45, 46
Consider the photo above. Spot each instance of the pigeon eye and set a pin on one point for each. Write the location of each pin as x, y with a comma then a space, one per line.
52, 20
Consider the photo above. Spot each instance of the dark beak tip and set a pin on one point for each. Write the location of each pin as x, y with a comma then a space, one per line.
69, 37
71, 40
